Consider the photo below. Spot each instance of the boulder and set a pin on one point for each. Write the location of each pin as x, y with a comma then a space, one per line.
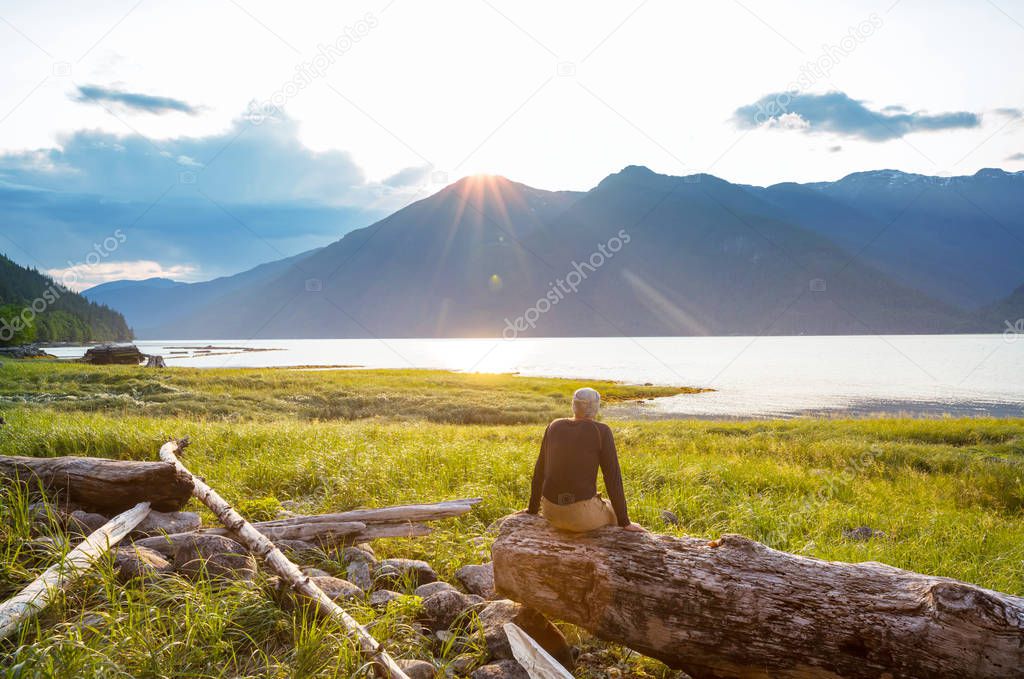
139, 562
417, 669
359, 574
423, 591
497, 613
83, 522
219, 556
336, 588
297, 550
382, 597
159, 523
440, 610
358, 555
314, 572
503, 669
477, 580
394, 573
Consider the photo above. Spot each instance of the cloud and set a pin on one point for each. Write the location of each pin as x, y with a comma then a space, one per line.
224, 202
84, 276
134, 101
837, 113
1016, 156
1010, 112
409, 176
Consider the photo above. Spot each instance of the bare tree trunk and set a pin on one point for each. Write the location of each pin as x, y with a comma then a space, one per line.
257, 543
106, 486
37, 595
741, 609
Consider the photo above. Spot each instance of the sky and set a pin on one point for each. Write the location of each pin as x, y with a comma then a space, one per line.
221, 134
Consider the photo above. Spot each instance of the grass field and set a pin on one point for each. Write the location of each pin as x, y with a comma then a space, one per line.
948, 494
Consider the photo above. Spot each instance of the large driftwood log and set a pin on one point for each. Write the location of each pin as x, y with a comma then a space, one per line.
258, 543
106, 486
40, 591
741, 609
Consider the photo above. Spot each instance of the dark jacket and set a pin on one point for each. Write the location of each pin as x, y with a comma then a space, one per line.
566, 469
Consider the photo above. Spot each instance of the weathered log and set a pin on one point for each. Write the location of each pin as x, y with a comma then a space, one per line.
741, 609
106, 486
256, 542
118, 354
40, 591
388, 515
537, 662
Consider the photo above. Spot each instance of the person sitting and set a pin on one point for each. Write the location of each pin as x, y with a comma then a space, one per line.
564, 483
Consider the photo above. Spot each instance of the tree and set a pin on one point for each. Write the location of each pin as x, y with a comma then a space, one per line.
16, 327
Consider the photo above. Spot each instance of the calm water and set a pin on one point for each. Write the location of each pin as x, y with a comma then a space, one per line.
753, 377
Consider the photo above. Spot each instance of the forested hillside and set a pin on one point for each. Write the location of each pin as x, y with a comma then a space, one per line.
35, 308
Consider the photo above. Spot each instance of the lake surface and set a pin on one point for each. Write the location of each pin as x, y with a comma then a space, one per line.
923, 375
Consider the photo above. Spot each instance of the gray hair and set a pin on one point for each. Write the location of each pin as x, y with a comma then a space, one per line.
586, 402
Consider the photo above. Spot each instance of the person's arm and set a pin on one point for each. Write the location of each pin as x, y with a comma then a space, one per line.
613, 477
537, 485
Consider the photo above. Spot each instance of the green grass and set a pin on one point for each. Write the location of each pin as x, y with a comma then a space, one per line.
267, 394
948, 493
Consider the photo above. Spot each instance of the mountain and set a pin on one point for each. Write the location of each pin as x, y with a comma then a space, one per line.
959, 239
51, 312
161, 302
639, 254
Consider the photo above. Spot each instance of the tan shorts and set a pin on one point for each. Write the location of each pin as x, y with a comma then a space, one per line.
579, 517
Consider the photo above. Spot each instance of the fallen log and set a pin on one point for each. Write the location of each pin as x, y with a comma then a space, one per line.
37, 595
388, 515
252, 539
741, 609
105, 486
114, 354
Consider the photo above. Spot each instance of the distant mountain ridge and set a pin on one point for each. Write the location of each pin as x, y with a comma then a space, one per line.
51, 312
875, 252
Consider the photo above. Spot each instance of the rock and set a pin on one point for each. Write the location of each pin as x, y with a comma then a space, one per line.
496, 614
503, 669
462, 665
382, 597
220, 557
139, 562
314, 572
417, 669
669, 517
289, 504
85, 522
423, 591
862, 533
159, 523
297, 550
441, 610
396, 572
336, 588
358, 573
357, 555
478, 580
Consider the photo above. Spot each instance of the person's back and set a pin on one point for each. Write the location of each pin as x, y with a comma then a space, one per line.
565, 476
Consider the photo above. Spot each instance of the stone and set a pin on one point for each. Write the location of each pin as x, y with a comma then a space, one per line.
393, 573
358, 573
139, 562
159, 523
357, 555
417, 669
503, 669
497, 613
477, 580
669, 517
85, 522
442, 609
314, 572
862, 533
218, 555
462, 665
382, 597
423, 591
336, 588
297, 550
